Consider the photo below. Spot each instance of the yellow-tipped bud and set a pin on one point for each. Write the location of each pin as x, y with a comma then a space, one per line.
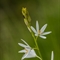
24, 11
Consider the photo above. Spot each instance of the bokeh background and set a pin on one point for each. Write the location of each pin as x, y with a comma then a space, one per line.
13, 27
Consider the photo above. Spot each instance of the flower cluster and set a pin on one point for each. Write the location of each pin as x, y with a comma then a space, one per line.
29, 51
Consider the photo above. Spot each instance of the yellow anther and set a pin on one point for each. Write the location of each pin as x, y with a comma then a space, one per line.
39, 32
26, 50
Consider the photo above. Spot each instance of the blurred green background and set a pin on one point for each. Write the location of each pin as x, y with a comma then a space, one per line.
13, 27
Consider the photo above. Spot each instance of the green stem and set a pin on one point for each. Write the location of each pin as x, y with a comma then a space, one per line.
38, 48
38, 57
35, 39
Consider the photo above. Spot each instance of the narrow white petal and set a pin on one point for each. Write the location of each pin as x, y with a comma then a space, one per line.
33, 29
22, 45
52, 55
37, 26
45, 33
24, 56
43, 37
43, 28
25, 42
22, 51
31, 54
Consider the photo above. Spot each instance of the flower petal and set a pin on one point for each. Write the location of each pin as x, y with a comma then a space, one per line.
52, 55
43, 28
22, 45
31, 54
45, 33
24, 56
22, 51
25, 42
43, 37
37, 26
33, 29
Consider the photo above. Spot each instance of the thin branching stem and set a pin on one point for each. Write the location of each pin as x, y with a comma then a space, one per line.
38, 57
35, 40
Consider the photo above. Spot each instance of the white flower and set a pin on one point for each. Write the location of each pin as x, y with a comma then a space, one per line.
40, 32
29, 52
52, 55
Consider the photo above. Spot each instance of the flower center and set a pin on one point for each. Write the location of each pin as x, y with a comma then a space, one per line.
26, 50
39, 32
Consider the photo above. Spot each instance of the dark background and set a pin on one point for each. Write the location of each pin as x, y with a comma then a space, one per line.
13, 27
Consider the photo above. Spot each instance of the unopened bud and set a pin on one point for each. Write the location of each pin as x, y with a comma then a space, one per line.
24, 11
26, 22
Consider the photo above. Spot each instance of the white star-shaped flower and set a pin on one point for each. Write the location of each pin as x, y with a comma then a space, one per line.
40, 32
52, 55
29, 52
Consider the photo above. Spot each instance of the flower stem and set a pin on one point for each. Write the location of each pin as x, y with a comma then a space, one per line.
38, 48
35, 39
38, 57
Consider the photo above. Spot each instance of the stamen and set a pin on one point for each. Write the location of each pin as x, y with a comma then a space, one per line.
26, 50
38, 31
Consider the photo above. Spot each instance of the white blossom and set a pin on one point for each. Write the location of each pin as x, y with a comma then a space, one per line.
29, 52
40, 32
